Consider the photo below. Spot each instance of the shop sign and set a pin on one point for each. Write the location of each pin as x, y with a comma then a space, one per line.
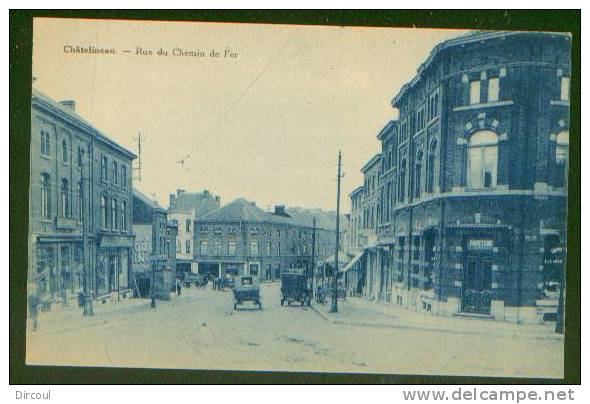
480, 244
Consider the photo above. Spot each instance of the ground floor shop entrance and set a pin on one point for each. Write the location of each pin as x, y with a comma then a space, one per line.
476, 296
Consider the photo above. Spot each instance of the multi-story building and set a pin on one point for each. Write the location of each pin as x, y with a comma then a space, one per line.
184, 208
80, 183
240, 238
479, 176
154, 250
356, 220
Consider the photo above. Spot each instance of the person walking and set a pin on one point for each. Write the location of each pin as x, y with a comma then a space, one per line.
33, 302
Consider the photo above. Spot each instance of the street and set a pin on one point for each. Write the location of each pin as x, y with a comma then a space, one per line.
200, 330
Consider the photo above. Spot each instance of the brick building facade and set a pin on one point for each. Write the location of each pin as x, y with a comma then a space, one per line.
80, 180
474, 187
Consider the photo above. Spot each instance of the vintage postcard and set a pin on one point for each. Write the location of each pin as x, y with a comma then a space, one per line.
298, 198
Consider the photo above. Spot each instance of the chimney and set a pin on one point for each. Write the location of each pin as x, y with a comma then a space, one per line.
280, 210
71, 104
172, 199
179, 192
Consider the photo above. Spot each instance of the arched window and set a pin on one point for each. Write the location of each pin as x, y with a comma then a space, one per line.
114, 213
402, 181
64, 198
45, 196
562, 148
430, 167
418, 174
64, 151
482, 160
45, 145
103, 211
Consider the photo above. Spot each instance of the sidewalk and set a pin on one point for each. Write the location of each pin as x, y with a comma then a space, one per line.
64, 318
359, 312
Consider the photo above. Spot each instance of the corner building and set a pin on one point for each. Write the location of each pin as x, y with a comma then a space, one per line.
473, 188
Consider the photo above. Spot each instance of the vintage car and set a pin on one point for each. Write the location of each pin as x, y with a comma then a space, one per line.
295, 288
197, 280
245, 289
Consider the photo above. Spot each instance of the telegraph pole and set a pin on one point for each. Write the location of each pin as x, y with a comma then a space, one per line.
312, 256
138, 168
334, 307
88, 309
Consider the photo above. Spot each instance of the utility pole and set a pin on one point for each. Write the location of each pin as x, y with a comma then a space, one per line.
138, 168
88, 309
334, 307
312, 256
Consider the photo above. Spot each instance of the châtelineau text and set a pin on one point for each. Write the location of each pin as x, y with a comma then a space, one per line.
140, 51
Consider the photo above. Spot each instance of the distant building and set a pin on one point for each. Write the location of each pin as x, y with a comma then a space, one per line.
240, 238
154, 250
79, 177
184, 208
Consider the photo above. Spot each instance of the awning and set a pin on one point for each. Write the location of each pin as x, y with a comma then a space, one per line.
352, 261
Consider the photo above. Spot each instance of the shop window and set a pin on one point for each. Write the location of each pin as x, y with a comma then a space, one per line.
482, 160
45, 196
561, 158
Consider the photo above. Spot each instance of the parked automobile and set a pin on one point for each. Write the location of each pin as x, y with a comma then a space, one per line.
295, 288
246, 289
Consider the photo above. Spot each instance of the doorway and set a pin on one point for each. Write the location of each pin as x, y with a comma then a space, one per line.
477, 282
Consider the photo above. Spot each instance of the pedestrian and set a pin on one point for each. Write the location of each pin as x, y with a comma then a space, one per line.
178, 287
33, 300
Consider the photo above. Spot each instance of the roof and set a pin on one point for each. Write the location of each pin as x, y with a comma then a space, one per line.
470, 37
152, 203
355, 191
323, 219
43, 101
239, 210
201, 202
371, 162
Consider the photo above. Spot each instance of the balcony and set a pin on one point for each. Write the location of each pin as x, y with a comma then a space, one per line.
65, 223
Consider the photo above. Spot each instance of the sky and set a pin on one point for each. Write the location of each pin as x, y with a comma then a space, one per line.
264, 120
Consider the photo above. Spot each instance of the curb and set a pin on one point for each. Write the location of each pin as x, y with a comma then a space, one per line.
546, 336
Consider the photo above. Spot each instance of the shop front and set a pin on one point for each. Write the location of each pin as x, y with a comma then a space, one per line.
113, 266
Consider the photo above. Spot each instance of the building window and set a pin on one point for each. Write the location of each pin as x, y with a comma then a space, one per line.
218, 248
565, 89
474, 92
64, 198
103, 211
64, 151
561, 158
269, 248
204, 245
482, 160
80, 156
115, 173
103, 169
402, 181
254, 248
80, 203
231, 247
418, 174
493, 89
178, 246
123, 215
431, 166
45, 196
278, 248
123, 176
45, 148
114, 215
188, 226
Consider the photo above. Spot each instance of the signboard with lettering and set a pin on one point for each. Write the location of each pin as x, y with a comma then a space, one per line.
480, 244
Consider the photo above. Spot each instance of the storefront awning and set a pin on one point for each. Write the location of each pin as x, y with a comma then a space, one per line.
353, 261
